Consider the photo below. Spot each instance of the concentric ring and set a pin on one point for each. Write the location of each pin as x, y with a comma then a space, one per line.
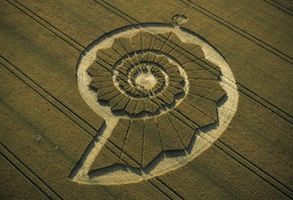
151, 69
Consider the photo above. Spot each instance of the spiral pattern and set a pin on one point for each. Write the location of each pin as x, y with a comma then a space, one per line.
160, 87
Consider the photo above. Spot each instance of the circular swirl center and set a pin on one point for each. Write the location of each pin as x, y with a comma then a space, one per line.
146, 80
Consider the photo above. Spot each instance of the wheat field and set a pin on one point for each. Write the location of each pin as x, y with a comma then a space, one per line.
177, 99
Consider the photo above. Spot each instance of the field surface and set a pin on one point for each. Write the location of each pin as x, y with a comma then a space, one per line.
46, 126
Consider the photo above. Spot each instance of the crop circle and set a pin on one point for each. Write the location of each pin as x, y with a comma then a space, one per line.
160, 89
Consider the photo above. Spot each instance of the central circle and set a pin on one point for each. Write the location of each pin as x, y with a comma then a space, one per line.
145, 77
146, 80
